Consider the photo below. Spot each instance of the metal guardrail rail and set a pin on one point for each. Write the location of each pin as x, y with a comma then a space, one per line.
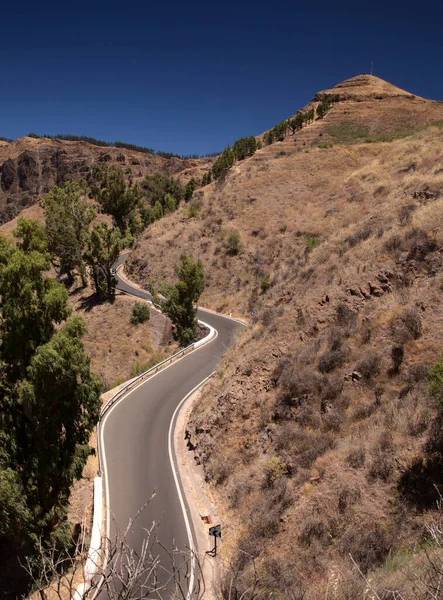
133, 383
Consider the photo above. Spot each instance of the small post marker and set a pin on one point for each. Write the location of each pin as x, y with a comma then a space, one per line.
216, 533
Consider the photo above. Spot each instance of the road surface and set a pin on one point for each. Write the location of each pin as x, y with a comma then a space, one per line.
135, 439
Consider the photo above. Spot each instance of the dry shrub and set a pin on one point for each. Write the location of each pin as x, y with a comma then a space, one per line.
332, 387
415, 242
307, 416
407, 326
282, 578
369, 366
356, 457
405, 214
238, 489
283, 363
330, 360
418, 244
393, 245
417, 373
360, 236
296, 387
382, 465
419, 419
314, 530
345, 316
368, 542
301, 447
347, 498
332, 421
218, 468
363, 411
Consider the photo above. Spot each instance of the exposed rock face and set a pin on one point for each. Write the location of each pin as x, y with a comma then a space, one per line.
30, 167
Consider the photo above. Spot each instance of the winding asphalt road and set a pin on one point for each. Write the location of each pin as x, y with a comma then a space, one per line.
135, 439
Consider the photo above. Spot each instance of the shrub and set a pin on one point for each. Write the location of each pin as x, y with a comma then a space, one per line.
265, 282
359, 236
393, 244
369, 366
140, 313
295, 387
312, 242
367, 542
356, 457
436, 382
194, 208
397, 355
418, 244
345, 316
330, 360
314, 529
382, 465
407, 326
233, 243
405, 214
274, 469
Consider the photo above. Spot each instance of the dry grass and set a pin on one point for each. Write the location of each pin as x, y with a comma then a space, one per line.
137, 344
290, 436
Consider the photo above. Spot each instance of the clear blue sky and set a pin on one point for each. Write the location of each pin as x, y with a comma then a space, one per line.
191, 77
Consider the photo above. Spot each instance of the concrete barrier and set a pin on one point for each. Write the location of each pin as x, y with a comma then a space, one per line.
93, 559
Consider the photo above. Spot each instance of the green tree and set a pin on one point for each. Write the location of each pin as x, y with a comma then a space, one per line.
170, 205
49, 401
157, 187
30, 235
117, 196
157, 211
30, 304
140, 313
61, 404
182, 296
189, 189
223, 163
103, 249
67, 217
206, 179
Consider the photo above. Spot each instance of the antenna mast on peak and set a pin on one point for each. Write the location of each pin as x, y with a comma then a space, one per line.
372, 66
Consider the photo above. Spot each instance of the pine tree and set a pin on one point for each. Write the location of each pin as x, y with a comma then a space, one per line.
118, 197
181, 299
104, 247
67, 217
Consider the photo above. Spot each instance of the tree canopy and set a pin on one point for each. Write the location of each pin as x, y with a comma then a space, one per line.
181, 297
104, 245
67, 217
49, 399
117, 196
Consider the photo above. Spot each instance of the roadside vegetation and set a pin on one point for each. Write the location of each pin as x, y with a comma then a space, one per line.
49, 398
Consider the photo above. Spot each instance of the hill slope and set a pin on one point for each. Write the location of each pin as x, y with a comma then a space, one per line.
318, 434
30, 167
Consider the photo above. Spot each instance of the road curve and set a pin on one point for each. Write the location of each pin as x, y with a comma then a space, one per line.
134, 439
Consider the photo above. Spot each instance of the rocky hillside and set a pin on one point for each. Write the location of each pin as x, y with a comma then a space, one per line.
318, 434
30, 167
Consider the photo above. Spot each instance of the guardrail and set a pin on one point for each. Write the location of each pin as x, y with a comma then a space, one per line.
134, 382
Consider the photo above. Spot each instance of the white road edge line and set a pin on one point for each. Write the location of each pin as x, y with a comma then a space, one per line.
177, 484
105, 470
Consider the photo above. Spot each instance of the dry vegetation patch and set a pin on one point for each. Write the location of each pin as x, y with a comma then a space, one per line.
318, 434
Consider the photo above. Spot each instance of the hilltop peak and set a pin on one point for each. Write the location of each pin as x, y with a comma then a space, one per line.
365, 86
